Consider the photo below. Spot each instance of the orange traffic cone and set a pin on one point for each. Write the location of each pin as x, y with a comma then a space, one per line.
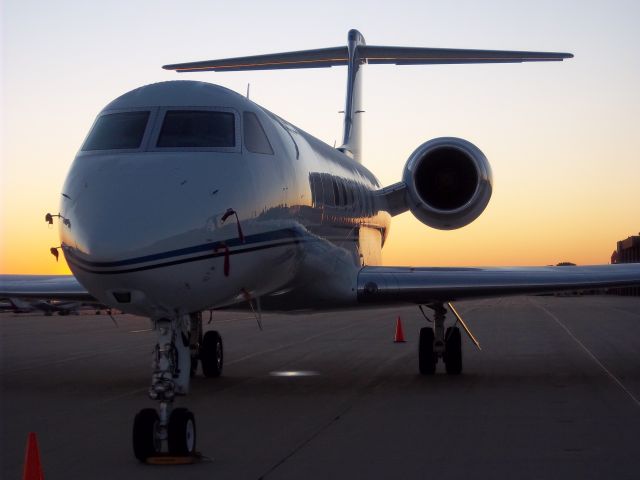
399, 336
32, 467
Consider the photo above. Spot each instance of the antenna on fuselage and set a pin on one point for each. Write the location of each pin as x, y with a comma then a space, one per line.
248, 87
355, 55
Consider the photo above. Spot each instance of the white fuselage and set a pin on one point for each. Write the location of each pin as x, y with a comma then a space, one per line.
148, 232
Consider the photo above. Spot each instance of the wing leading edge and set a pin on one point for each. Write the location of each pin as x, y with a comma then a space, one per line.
52, 287
388, 285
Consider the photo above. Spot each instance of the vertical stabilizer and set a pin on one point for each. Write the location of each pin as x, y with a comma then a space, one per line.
352, 133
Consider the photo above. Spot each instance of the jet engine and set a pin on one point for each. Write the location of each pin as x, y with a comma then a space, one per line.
448, 183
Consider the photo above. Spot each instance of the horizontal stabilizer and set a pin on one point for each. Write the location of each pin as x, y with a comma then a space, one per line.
329, 57
319, 58
427, 56
353, 55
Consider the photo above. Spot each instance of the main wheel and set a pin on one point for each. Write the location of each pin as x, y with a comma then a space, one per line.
182, 432
426, 356
212, 354
453, 351
195, 343
145, 442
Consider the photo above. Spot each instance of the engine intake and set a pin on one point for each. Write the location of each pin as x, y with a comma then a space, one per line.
448, 183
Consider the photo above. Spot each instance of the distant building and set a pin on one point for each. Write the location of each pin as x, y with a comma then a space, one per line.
627, 251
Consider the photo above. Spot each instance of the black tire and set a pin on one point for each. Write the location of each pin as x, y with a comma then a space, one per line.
426, 356
182, 432
193, 370
145, 443
212, 354
195, 355
453, 351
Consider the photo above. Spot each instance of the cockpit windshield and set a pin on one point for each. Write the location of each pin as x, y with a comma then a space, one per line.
255, 139
116, 131
197, 129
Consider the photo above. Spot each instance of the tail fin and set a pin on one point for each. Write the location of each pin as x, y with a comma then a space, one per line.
354, 55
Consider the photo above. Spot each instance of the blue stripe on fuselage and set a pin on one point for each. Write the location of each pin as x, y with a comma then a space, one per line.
285, 234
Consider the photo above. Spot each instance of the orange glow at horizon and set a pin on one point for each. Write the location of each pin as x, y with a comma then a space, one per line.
488, 241
410, 241
26, 251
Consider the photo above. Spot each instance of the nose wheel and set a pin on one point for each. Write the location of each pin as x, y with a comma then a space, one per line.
182, 432
145, 434
148, 434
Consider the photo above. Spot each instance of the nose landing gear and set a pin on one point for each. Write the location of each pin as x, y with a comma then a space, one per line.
167, 429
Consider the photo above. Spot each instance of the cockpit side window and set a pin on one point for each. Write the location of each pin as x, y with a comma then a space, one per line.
255, 139
197, 129
117, 131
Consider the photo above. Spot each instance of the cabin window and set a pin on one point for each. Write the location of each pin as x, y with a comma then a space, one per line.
317, 195
370, 199
117, 131
336, 193
255, 139
351, 200
328, 190
344, 200
358, 197
197, 129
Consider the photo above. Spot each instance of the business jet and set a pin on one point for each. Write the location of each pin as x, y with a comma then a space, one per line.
10, 305
49, 308
186, 196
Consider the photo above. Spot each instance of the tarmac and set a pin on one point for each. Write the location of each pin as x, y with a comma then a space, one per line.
554, 393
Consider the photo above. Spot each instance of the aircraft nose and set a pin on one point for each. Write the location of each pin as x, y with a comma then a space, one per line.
119, 217
122, 207
152, 226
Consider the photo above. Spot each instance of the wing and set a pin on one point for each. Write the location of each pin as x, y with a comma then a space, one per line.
50, 287
388, 285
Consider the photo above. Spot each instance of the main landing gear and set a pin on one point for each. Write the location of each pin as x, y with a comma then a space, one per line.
437, 343
179, 346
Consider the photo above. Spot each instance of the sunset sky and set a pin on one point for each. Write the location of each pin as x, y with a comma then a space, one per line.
562, 138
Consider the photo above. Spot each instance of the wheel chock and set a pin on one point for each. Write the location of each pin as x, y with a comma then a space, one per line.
169, 459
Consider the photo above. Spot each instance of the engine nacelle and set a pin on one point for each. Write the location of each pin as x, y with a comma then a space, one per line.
448, 183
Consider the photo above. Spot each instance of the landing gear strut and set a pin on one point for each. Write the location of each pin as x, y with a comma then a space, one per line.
436, 343
180, 343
